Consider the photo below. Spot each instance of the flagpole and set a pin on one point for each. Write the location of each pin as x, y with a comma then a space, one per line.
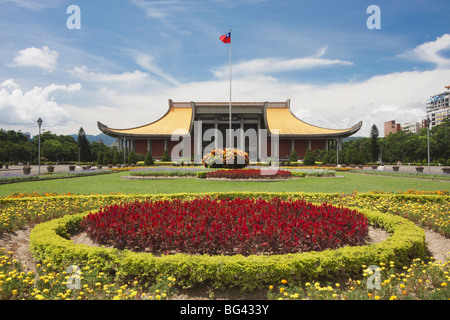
229, 116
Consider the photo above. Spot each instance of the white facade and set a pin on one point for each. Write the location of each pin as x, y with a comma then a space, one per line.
438, 108
412, 127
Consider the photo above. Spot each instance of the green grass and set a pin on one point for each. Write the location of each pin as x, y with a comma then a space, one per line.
112, 183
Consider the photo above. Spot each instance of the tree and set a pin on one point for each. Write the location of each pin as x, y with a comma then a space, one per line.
374, 147
51, 149
106, 158
132, 158
309, 159
439, 140
83, 145
293, 156
149, 159
116, 157
166, 156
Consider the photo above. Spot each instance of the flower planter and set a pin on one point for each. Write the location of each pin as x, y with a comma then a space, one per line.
419, 169
446, 170
50, 169
99, 166
374, 167
26, 170
110, 166
71, 168
395, 168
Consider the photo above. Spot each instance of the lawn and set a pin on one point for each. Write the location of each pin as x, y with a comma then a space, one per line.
344, 182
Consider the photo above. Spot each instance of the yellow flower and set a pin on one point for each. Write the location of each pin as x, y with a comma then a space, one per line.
393, 298
443, 284
284, 281
377, 297
270, 287
281, 290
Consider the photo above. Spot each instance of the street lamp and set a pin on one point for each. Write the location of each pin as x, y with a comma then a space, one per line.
427, 123
39, 122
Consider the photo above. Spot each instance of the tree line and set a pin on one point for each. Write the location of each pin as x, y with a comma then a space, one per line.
16, 147
404, 147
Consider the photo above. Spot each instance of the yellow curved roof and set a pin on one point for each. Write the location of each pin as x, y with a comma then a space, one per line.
175, 119
287, 124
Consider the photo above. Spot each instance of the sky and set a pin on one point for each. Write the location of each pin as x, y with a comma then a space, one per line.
74, 63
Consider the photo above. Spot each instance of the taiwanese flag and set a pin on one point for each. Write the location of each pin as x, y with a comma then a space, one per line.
226, 38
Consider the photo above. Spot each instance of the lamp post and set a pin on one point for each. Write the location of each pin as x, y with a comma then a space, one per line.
427, 123
39, 122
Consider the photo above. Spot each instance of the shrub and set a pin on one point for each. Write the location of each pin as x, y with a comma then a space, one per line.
201, 175
132, 157
309, 159
246, 273
249, 174
293, 156
149, 159
165, 156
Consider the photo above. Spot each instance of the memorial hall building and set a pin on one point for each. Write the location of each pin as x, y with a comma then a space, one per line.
274, 117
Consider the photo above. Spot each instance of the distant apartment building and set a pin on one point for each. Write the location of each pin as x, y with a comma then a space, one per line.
391, 127
438, 107
413, 127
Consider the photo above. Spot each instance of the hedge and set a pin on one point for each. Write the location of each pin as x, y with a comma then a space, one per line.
407, 241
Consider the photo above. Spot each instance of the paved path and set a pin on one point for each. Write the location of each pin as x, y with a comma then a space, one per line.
17, 170
408, 169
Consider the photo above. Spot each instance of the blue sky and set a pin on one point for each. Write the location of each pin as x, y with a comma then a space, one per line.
130, 56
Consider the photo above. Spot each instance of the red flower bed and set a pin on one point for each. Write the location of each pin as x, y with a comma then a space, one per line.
239, 226
248, 174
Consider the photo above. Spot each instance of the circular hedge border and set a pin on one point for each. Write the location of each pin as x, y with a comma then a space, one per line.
51, 240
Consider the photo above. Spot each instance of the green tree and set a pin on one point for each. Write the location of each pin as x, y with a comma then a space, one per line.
166, 156
374, 147
84, 147
149, 159
107, 158
309, 159
116, 158
293, 156
51, 148
440, 140
132, 158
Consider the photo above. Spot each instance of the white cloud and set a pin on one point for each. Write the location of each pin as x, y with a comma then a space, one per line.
24, 108
430, 51
273, 65
43, 58
83, 73
33, 4
145, 61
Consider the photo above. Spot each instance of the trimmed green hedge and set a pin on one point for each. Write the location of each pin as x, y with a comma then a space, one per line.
407, 241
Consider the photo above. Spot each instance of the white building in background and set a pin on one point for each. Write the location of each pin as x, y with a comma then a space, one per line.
413, 127
438, 107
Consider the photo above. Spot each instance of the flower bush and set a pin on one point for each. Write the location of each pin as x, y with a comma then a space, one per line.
417, 281
249, 174
239, 226
226, 158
